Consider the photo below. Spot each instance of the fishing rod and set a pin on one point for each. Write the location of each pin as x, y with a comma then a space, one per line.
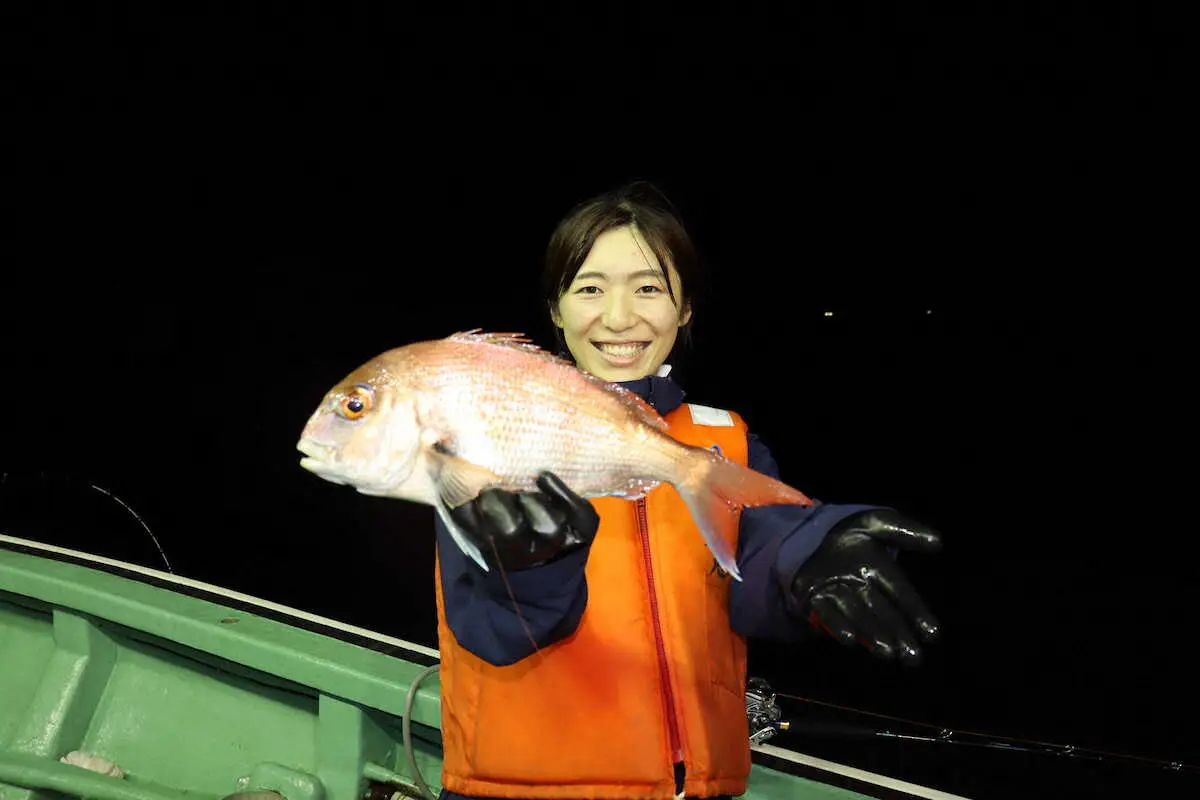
766, 720
762, 710
13, 481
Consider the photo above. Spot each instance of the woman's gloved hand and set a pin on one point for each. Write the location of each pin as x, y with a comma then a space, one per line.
852, 589
526, 529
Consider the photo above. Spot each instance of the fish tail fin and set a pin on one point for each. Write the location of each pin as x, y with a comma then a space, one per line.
716, 486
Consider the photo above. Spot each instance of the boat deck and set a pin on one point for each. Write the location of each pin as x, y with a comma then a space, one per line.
194, 691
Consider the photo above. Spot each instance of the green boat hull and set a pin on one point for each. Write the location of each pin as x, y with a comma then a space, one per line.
197, 692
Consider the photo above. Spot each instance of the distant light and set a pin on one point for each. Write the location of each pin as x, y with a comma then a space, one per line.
829, 313
929, 311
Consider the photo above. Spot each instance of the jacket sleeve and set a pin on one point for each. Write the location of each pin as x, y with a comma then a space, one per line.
545, 604
773, 543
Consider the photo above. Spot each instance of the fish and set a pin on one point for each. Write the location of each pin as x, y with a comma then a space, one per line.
438, 421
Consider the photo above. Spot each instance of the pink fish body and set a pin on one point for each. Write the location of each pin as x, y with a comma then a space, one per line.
435, 422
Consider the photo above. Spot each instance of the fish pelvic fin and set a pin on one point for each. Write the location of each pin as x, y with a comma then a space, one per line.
715, 485
466, 545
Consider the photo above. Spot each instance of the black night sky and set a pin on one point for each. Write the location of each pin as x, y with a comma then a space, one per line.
217, 215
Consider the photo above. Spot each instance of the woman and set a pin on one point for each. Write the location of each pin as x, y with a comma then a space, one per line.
614, 665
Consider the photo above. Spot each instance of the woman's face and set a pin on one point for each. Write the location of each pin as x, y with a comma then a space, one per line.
617, 318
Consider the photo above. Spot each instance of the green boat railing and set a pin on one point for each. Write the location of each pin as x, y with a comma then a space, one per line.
193, 692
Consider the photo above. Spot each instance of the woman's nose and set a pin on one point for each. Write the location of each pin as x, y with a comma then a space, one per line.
618, 312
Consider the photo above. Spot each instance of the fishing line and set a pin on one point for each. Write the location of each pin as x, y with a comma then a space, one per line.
945, 735
513, 597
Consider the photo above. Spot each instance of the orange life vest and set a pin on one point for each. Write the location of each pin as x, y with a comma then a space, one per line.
653, 675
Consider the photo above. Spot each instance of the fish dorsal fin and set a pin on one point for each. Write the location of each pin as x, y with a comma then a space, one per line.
645, 412
513, 341
518, 341
486, 337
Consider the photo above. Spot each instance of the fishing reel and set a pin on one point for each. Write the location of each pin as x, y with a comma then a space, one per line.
761, 712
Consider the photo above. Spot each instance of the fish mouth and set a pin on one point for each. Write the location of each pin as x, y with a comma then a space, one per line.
316, 459
312, 449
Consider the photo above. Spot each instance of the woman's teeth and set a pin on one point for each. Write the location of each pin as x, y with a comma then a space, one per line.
621, 350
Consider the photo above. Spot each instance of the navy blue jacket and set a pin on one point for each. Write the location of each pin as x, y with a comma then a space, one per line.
773, 543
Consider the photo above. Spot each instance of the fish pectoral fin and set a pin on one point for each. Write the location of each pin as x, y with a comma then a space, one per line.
458, 481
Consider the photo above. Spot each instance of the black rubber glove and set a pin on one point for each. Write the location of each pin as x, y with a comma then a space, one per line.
852, 589
527, 529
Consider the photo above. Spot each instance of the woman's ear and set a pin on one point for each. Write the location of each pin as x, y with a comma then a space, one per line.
686, 315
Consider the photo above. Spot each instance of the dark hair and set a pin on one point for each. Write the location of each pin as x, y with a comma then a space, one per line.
638, 204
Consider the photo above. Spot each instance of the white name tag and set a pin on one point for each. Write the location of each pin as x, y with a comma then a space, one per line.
706, 415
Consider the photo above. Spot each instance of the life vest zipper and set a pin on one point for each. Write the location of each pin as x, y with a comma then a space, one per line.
663, 672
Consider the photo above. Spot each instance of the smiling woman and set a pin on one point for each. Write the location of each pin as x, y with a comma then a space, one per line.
617, 278
619, 312
626, 676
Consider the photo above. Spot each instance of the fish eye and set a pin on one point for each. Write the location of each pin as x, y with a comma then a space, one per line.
356, 403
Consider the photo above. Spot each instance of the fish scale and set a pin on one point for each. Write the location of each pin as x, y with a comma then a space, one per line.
436, 422
518, 430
